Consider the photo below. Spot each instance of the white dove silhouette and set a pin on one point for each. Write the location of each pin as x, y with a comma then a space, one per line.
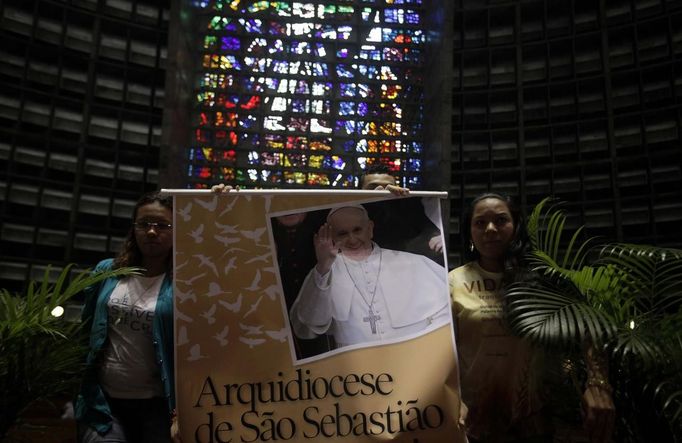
222, 336
184, 296
231, 251
184, 212
272, 291
230, 265
184, 317
253, 308
215, 289
226, 241
180, 266
197, 234
209, 315
254, 284
251, 330
226, 229
195, 353
206, 261
229, 207
191, 280
254, 235
263, 258
252, 341
280, 335
208, 205
233, 307
182, 336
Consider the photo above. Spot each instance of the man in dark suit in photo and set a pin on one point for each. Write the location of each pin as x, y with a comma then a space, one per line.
401, 223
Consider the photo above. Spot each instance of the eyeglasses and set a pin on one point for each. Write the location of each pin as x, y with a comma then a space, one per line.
146, 226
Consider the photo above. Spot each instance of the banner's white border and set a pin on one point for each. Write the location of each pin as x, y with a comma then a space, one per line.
355, 192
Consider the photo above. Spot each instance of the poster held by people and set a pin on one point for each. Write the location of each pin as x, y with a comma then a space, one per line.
293, 324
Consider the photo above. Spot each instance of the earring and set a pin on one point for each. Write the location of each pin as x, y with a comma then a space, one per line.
471, 246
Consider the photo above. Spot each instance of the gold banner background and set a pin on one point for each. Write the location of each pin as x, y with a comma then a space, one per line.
230, 326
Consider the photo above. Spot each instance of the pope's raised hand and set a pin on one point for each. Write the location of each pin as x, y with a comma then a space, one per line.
325, 251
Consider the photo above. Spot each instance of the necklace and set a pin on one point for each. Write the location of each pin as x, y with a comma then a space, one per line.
372, 317
142, 293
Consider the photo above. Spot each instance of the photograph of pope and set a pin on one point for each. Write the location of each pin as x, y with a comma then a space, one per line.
361, 293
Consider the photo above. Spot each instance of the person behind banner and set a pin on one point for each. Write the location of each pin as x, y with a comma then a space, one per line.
127, 393
363, 293
404, 223
503, 378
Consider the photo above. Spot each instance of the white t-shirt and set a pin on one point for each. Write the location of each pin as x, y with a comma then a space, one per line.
129, 368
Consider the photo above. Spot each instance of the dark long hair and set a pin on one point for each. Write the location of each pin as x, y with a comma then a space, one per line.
514, 256
130, 254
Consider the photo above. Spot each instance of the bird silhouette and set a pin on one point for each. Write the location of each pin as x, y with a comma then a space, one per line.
191, 280
230, 265
254, 286
206, 261
180, 316
180, 266
260, 258
226, 241
232, 307
226, 229
182, 336
253, 308
280, 335
251, 330
208, 205
209, 315
254, 235
184, 212
251, 342
197, 234
229, 207
215, 289
230, 251
195, 353
272, 291
184, 296
222, 336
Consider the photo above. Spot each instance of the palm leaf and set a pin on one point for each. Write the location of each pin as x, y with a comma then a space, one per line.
654, 275
552, 314
546, 231
625, 298
41, 355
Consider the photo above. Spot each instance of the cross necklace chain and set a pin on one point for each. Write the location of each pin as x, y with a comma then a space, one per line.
372, 317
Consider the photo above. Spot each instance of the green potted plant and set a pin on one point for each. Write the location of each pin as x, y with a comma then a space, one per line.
41, 353
624, 299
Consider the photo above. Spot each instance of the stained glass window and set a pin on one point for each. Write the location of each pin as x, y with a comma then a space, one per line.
307, 93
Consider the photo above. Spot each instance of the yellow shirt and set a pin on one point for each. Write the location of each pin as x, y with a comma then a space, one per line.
499, 383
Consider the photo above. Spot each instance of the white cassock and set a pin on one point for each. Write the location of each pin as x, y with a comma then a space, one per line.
410, 295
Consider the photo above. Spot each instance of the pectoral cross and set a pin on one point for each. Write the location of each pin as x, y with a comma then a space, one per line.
372, 319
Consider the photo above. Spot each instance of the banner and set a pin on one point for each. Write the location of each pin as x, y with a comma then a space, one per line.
304, 315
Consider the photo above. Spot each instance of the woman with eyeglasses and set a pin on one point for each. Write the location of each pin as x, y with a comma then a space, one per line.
127, 393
